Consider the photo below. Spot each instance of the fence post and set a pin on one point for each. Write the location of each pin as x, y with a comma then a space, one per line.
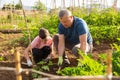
18, 65
109, 65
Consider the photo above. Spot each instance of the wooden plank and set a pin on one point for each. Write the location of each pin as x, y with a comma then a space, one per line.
80, 78
109, 65
54, 77
11, 31
75, 78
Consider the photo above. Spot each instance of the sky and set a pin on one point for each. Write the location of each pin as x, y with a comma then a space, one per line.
48, 3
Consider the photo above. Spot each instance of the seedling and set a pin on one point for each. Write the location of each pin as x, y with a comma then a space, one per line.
1, 58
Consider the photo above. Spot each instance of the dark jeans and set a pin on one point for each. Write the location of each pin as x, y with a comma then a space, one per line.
68, 44
40, 54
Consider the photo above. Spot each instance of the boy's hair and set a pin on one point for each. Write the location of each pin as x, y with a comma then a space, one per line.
43, 33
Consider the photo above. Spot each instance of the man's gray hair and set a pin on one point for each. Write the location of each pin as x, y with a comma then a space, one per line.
64, 12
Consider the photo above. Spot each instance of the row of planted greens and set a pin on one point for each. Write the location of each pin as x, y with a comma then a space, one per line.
106, 17
104, 25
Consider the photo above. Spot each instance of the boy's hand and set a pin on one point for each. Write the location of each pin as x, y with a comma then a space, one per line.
29, 63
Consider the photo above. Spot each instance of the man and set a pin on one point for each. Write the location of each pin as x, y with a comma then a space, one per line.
73, 34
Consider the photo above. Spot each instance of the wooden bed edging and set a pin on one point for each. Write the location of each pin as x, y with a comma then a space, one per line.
55, 77
11, 31
80, 78
32, 70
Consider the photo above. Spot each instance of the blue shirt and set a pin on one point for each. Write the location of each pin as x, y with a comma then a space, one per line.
79, 27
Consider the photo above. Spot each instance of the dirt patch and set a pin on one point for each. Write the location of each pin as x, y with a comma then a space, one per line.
11, 75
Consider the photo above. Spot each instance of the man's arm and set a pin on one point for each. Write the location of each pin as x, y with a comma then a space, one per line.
61, 45
61, 48
83, 42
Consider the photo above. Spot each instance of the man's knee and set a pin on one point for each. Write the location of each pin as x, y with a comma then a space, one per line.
75, 51
55, 38
88, 50
55, 41
91, 48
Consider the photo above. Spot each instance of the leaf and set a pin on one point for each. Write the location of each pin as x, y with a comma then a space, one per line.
41, 62
1, 58
45, 67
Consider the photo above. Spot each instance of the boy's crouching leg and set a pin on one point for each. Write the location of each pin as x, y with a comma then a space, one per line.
36, 54
46, 53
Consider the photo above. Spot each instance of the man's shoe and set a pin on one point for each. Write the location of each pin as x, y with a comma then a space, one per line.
66, 61
47, 59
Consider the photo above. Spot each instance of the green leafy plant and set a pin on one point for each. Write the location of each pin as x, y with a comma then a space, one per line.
41, 66
102, 58
44, 65
104, 33
116, 63
35, 75
1, 58
116, 60
86, 66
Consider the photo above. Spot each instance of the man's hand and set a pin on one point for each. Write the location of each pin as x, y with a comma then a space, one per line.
60, 60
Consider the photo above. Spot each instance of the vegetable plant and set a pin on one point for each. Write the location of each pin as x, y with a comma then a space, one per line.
86, 66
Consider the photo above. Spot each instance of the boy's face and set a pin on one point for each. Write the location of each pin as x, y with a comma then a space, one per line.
66, 21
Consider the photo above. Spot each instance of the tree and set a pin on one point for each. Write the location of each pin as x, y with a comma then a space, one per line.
7, 6
39, 6
18, 6
115, 4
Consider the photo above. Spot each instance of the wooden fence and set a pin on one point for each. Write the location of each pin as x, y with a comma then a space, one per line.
18, 71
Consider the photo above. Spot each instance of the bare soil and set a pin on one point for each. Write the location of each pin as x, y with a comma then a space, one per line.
6, 51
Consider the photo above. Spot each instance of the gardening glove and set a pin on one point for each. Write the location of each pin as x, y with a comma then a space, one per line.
29, 63
60, 60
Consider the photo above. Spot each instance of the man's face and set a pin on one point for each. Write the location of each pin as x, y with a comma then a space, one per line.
66, 21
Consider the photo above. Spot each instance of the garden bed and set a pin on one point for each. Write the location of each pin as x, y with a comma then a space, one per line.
8, 61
